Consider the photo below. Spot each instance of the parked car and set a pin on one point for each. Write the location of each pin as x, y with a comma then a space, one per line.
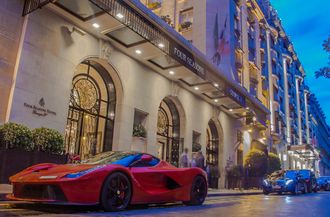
310, 180
323, 183
113, 180
284, 181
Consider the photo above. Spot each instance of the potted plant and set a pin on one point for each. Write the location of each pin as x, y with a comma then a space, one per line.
21, 147
139, 141
185, 26
154, 5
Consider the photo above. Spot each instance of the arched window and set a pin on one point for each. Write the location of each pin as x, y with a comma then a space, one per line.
168, 132
212, 146
90, 121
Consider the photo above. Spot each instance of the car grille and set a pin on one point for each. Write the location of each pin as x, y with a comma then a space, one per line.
40, 192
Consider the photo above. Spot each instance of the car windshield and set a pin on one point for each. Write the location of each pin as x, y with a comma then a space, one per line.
112, 157
305, 173
276, 175
291, 174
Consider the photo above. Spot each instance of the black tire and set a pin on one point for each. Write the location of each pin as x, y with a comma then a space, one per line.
266, 192
280, 193
295, 191
305, 189
198, 192
116, 192
309, 187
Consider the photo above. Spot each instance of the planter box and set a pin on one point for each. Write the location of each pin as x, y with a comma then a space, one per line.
14, 160
139, 144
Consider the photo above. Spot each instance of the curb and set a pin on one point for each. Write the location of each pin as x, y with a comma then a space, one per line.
233, 194
3, 196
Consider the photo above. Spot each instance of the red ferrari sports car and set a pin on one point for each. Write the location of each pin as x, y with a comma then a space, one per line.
111, 179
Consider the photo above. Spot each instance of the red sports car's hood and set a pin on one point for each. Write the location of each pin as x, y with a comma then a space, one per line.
49, 171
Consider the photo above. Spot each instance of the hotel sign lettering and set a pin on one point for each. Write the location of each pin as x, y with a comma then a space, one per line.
40, 109
187, 59
236, 96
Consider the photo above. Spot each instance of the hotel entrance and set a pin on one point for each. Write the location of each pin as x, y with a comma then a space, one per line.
90, 121
168, 132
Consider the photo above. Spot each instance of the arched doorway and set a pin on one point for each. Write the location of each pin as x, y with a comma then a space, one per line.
212, 147
91, 114
212, 153
168, 132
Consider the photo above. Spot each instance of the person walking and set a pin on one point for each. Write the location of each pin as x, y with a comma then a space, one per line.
184, 159
200, 160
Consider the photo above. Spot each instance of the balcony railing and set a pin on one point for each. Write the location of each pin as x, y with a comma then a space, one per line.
32, 5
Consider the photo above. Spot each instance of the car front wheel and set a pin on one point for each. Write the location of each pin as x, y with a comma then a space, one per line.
116, 192
198, 192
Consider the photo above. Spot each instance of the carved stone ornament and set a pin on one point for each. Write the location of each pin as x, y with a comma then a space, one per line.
106, 49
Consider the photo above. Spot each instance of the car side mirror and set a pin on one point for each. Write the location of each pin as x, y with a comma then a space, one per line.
146, 158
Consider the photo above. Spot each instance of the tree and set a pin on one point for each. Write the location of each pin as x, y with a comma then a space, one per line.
325, 71
274, 163
256, 163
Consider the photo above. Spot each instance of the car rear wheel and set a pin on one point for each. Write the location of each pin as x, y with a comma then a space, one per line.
198, 192
295, 190
116, 192
304, 191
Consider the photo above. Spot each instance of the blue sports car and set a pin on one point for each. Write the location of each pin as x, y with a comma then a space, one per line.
284, 181
323, 183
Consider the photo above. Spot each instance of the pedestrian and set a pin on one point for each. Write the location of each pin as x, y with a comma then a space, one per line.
215, 175
200, 160
184, 159
193, 160
208, 172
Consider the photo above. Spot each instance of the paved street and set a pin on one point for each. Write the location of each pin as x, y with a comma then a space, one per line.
235, 206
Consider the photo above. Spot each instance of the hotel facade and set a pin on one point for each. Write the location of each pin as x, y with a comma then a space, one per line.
220, 76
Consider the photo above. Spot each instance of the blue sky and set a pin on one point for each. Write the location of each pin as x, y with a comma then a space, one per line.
308, 23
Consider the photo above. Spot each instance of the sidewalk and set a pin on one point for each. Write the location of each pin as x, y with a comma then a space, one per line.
232, 192
6, 189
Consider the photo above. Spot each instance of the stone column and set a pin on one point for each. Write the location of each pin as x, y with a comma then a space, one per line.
245, 46
287, 113
306, 116
298, 80
286, 98
270, 83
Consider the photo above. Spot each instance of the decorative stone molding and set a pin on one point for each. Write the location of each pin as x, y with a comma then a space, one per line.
105, 49
175, 88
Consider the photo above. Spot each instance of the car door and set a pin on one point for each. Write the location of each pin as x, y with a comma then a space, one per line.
153, 183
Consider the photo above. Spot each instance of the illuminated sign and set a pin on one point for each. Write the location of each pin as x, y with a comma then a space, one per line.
187, 59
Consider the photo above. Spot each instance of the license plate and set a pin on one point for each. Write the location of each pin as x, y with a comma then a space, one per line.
277, 187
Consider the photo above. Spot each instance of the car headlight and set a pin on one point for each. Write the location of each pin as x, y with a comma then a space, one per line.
81, 173
288, 182
265, 182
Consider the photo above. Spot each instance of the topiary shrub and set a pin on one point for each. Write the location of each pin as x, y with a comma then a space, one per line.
48, 140
139, 131
274, 163
256, 163
14, 135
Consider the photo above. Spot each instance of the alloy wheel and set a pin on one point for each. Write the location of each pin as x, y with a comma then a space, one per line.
116, 193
